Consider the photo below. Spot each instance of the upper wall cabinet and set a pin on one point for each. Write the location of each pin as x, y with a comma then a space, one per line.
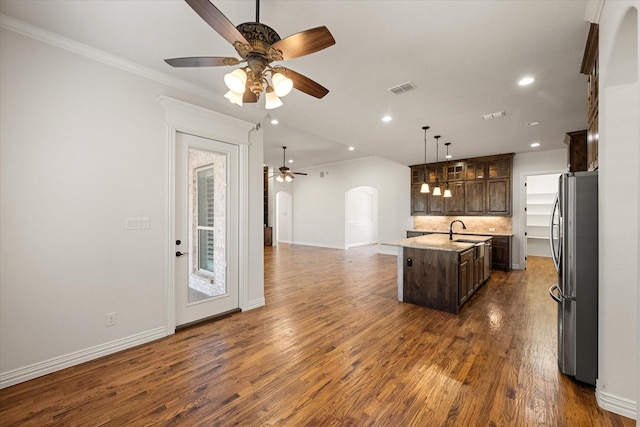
479, 186
590, 68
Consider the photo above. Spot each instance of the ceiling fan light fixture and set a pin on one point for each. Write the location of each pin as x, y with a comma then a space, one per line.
271, 99
282, 85
279, 178
236, 80
234, 97
288, 178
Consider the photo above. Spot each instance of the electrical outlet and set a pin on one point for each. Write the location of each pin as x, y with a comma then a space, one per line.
110, 319
492, 229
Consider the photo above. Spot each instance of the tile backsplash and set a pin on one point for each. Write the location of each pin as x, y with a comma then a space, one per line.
479, 224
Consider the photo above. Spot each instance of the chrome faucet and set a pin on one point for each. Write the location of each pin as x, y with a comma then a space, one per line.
464, 227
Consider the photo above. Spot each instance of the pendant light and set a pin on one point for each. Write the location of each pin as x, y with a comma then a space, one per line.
447, 191
436, 189
425, 187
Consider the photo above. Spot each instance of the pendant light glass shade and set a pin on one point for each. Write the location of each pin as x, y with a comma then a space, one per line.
424, 188
447, 191
282, 85
234, 97
436, 188
236, 80
279, 178
271, 100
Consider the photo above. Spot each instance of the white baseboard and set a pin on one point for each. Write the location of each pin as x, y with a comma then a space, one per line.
619, 405
387, 250
319, 245
259, 302
39, 369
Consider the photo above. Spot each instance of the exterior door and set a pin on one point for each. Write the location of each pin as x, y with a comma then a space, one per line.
206, 228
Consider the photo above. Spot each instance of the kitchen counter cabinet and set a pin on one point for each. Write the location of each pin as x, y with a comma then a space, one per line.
501, 253
439, 273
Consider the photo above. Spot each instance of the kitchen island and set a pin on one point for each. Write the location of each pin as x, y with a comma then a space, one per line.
439, 273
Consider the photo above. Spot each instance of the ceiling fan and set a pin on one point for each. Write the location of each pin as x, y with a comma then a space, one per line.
259, 45
286, 174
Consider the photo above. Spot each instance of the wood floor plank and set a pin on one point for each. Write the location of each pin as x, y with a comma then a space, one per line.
334, 347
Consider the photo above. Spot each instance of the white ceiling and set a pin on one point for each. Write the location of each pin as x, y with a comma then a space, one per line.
465, 57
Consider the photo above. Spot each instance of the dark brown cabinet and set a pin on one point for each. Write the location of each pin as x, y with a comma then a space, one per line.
498, 197
455, 205
501, 253
590, 68
576, 150
475, 196
465, 276
479, 186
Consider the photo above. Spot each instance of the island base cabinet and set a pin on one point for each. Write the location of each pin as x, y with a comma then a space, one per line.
430, 278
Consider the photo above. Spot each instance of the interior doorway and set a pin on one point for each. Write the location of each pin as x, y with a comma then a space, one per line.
361, 216
284, 217
540, 195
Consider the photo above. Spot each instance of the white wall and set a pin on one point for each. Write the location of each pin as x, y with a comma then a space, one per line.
83, 146
319, 202
537, 162
619, 157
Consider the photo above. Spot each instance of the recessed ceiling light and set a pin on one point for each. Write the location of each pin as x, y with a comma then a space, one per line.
351, 148
534, 123
290, 160
535, 144
526, 81
274, 121
492, 116
448, 156
386, 118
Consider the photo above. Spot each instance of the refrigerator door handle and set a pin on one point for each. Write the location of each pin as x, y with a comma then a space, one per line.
556, 298
555, 251
560, 297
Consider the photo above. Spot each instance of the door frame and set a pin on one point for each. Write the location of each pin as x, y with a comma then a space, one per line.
191, 119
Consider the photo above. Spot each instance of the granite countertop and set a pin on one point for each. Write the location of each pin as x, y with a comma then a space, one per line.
475, 233
440, 242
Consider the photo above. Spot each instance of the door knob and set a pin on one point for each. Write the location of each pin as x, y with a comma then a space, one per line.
181, 253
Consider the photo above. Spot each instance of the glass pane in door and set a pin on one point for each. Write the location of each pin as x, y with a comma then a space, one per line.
207, 224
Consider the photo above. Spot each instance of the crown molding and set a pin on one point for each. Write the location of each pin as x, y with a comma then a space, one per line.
20, 27
593, 11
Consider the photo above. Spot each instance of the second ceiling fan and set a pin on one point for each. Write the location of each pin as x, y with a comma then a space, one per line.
259, 45
286, 174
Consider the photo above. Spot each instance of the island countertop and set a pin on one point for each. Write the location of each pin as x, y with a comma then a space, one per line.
441, 242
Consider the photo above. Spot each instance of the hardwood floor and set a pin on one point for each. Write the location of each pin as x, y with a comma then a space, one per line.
334, 347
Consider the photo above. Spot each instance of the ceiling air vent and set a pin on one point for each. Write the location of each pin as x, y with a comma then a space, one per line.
404, 87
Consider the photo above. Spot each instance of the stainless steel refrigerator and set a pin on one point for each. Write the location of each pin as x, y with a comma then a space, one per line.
574, 248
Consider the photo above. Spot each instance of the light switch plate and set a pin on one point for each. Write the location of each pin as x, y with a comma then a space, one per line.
139, 223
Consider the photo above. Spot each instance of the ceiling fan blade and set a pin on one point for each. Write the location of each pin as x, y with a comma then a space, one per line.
217, 20
305, 42
306, 85
300, 173
202, 61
